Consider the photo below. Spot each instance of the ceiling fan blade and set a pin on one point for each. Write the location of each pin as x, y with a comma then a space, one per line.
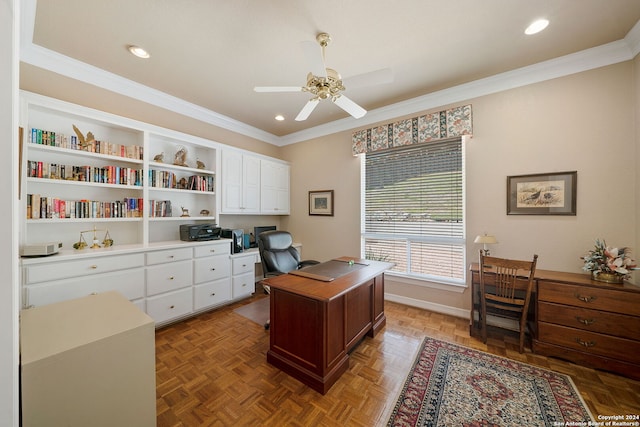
277, 89
313, 55
371, 78
307, 109
349, 106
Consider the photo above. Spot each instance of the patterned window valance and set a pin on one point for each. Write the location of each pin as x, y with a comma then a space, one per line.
430, 127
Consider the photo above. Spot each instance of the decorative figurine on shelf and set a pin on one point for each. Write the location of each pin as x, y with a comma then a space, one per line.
182, 183
95, 243
185, 212
81, 244
82, 141
107, 241
205, 212
199, 164
159, 157
180, 158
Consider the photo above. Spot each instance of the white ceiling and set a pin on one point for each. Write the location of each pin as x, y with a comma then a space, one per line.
208, 55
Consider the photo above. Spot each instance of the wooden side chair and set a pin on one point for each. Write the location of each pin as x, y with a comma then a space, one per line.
505, 289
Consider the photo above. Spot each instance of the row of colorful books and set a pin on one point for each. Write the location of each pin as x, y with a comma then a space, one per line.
59, 139
160, 208
44, 207
166, 179
101, 174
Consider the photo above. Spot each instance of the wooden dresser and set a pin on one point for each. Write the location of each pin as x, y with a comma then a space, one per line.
590, 323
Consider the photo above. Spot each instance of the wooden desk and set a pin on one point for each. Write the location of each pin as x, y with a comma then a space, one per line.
575, 318
315, 323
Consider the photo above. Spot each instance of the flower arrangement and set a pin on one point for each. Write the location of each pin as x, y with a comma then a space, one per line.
604, 259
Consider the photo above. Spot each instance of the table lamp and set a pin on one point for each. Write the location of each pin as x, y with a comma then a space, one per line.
485, 240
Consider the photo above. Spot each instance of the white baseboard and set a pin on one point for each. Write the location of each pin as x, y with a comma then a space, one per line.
438, 308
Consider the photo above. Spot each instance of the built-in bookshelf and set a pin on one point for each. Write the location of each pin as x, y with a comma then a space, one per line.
85, 169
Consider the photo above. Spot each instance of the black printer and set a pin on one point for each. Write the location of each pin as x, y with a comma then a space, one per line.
199, 232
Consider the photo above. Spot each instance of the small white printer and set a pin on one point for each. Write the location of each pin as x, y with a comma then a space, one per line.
40, 249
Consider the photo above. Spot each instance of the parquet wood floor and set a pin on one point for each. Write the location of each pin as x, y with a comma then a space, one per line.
211, 370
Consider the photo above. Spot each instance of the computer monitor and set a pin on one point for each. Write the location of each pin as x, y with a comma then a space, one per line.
260, 229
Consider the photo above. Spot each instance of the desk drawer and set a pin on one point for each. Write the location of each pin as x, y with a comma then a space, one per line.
590, 342
169, 306
211, 268
619, 325
212, 293
168, 255
243, 285
218, 248
614, 300
244, 264
168, 277
81, 267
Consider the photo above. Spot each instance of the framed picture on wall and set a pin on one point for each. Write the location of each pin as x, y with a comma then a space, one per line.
321, 202
542, 194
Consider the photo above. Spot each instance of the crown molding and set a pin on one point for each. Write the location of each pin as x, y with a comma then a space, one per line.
608, 54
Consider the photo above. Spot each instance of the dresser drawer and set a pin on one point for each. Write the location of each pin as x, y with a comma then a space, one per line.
244, 264
211, 268
169, 306
614, 300
168, 277
590, 342
168, 255
243, 285
604, 322
129, 283
219, 248
81, 267
212, 293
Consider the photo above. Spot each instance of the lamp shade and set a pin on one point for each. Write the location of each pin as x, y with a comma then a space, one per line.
485, 239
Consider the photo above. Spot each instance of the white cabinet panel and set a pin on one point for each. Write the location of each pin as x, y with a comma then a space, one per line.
221, 247
82, 267
168, 277
169, 255
243, 285
129, 283
212, 293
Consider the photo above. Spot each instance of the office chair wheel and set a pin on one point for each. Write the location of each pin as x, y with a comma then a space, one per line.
266, 326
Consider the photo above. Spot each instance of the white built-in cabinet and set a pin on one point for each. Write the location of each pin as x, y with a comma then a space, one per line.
133, 184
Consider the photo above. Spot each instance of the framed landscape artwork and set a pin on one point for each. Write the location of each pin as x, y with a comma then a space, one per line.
542, 194
321, 202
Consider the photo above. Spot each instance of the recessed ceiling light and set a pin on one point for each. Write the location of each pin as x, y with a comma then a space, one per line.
138, 51
279, 117
536, 26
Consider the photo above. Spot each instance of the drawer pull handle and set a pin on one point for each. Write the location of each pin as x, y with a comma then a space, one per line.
585, 343
244, 265
586, 299
244, 284
213, 269
170, 277
171, 256
213, 294
586, 322
93, 293
172, 307
93, 267
212, 250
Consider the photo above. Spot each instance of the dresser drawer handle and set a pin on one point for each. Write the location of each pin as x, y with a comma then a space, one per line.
212, 250
171, 256
170, 277
586, 299
172, 307
586, 322
213, 294
586, 343
213, 269
93, 267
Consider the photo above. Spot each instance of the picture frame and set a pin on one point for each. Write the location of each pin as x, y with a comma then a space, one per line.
552, 193
321, 202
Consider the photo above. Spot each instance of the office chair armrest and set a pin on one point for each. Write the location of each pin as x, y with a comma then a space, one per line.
307, 263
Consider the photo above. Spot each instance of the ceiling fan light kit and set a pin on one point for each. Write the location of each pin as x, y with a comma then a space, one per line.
326, 83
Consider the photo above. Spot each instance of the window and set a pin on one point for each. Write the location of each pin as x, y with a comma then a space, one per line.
413, 210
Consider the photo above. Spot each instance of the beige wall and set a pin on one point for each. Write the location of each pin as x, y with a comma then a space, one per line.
584, 122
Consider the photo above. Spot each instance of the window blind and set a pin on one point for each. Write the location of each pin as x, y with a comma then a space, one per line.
413, 213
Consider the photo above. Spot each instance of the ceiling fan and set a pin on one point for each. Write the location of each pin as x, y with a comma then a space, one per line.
326, 83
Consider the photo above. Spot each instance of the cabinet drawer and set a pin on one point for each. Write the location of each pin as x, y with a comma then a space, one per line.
81, 267
219, 248
170, 306
129, 283
212, 293
168, 277
619, 325
210, 268
243, 285
614, 300
244, 264
169, 255
590, 342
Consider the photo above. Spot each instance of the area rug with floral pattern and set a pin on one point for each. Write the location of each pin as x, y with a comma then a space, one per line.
451, 385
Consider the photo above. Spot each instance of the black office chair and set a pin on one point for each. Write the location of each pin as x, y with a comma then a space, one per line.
278, 256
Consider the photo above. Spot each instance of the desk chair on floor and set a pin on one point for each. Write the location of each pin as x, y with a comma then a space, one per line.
505, 289
278, 256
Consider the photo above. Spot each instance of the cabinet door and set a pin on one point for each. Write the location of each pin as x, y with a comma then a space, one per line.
232, 179
274, 182
251, 185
